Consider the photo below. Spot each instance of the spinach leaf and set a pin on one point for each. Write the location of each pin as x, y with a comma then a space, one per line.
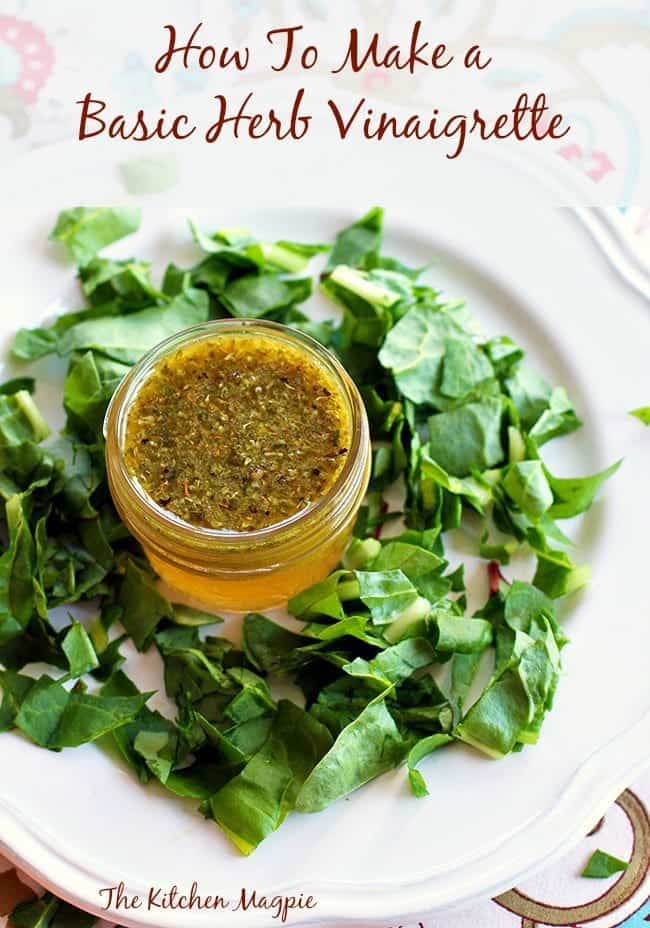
354, 626
602, 865
530, 394
50, 912
418, 752
232, 248
386, 593
89, 385
504, 355
127, 338
527, 608
323, 598
464, 366
559, 418
269, 646
257, 295
464, 668
193, 618
369, 746
256, 802
86, 230
293, 257
526, 484
37, 913
15, 688
642, 414
366, 297
458, 635
413, 560
501, 551
432, 475
143, 607
557, 575
430, 356
16, 384
79, 650
395, 664
253, 698
54, 717
512, 707
361, 553
468, 438
17, 565
574, 495
127, 282
30, 344
22, 429
144, 761
358, 245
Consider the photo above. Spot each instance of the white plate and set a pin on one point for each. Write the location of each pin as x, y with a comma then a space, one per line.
79, 823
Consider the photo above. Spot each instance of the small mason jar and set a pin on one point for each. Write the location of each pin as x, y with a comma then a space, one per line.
248, 570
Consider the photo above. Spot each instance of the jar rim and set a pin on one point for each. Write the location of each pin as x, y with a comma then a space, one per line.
195, 535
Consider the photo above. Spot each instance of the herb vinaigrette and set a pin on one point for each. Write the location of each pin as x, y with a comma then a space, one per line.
237, 432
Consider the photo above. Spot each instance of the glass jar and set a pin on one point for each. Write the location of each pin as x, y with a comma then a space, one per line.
250, 570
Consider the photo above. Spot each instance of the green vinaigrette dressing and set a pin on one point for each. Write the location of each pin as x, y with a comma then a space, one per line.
237, 432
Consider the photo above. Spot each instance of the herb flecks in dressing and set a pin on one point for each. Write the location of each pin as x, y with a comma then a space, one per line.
237, 432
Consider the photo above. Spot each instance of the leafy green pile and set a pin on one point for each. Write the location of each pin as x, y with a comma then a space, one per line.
457, 420
49, 912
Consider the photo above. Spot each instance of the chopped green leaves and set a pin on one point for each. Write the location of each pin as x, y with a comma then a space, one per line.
89, 385
104, 280
543, 412
642, 414
262, 294
126, 338
433, 360
467, 439
386, 593
55, 718
394, 665
457, 421
256, 801
22, 429
143, 607
459, 635
574, 495
527, 486
367, 747
79, 650
359, 244
511, 709
557, 575
601, 865
85, 230
50, 912
17, 592
418, 752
